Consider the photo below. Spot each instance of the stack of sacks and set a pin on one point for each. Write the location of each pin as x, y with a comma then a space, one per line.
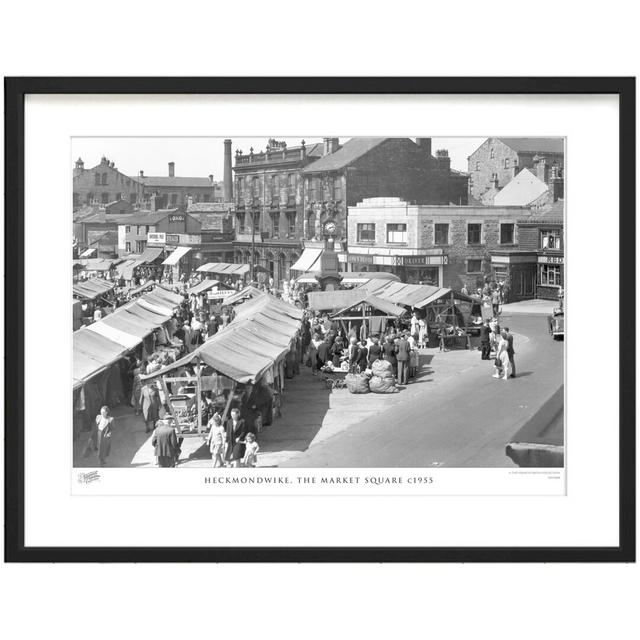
357, 382
382, 380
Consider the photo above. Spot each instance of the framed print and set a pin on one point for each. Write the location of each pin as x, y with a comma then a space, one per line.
320, 319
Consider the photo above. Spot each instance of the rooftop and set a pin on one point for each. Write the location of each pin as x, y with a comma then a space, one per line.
522, 190
535, 145
343, 157
278, 155
174, 181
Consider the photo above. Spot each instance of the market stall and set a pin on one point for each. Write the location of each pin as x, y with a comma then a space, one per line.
241, 365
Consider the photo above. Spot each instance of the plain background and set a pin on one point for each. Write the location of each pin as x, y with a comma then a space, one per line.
331, 38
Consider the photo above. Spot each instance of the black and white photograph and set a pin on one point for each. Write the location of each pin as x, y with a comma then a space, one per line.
318, 302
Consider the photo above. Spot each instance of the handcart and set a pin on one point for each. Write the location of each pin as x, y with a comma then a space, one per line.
334, 378
185, 411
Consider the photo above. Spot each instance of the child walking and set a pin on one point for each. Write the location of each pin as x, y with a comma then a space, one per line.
251, 451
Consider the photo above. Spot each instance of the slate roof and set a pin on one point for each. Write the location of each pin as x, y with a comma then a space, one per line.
175, 181
343, 157
535, 145
521, 191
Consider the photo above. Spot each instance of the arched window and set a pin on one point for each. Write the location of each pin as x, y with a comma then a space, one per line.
492, 154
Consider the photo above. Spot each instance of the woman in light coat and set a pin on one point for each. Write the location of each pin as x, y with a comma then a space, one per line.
502, 358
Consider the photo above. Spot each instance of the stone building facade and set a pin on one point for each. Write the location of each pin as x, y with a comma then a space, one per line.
269, 206
498, 160
102, 184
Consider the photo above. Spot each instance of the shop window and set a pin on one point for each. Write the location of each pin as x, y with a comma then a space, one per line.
397, 233
105, 198
127, 247
474, 233
550, 274
366, 232
551, 239
441, 233
474, 266
141, 246
507, 233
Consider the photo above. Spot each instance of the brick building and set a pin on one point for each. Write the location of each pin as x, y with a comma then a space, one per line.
102, 184
498, 160
269, 205
447, 246
178, 191
95, 228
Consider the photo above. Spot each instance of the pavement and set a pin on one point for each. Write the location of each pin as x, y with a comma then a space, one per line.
529, 307
453, 414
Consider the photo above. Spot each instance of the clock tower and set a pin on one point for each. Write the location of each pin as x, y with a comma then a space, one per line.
329, 276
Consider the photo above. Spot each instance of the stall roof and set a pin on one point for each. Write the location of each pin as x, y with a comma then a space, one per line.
224, 268
410, 295
178, 253
205, 285
243, 294
385, 306
334, 300
259, 335
92, 353
92, 288
98, 264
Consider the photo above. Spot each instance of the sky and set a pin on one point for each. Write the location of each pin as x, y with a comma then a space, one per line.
201, 157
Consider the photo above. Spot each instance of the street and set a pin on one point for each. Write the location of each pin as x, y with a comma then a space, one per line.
465, 423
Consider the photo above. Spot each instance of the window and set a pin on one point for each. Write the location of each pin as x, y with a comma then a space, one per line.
291, 221
256, 221
292, 183
105, 198
89, 198
127, 247
492, 155
366, 232
313, 189
397, 233
474, 265
146, 229
127, 229
140, 246
104, 178
97, 178
76, 199
275, 222
474, 233
506, 233
241, 223
206, 198
550, 274
239, 187
174, 198
441, 233
255, 187
506, 163
337, 188
134, 198
551, 239
477, 166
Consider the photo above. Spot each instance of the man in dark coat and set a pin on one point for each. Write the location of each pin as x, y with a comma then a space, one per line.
485, 345
402, 355
375, 350
363, 357
510, 353
165, 442
323, 353
236, 431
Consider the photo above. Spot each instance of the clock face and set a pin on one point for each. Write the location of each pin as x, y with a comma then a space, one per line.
330, 227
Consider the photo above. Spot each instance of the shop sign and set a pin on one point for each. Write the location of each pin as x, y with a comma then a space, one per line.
421, 261
363, 259
156, 238
173, 238
551, 259
176, 217
215, 295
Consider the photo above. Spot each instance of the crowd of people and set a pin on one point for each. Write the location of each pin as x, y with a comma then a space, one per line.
499, 342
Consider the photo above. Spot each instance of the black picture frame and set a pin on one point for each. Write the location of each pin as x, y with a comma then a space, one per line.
15, 91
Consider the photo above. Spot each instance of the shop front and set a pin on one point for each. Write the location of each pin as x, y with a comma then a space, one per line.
412, 269
550, 277
517, 270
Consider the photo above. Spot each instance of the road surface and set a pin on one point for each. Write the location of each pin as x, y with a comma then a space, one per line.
465, 423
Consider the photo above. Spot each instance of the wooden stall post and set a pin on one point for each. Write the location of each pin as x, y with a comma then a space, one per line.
229, 399
166, 396
198, 368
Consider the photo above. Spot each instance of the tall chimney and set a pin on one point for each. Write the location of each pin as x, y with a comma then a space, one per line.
227, 177
425, 144
172, 169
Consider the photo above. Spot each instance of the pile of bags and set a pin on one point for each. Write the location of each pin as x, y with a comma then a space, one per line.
357, 382
382, 380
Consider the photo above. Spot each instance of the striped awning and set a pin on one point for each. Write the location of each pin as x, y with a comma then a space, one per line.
91, 289
224, 268
308, 261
